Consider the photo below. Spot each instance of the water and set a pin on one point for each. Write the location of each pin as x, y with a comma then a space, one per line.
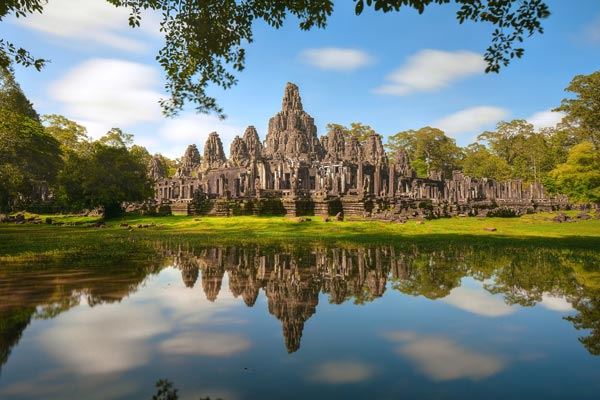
272, 322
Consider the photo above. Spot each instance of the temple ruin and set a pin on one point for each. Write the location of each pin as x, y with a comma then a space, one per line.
294, 172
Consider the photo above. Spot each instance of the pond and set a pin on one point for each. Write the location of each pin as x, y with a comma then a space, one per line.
295, 322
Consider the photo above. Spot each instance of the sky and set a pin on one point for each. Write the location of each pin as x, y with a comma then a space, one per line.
394, 72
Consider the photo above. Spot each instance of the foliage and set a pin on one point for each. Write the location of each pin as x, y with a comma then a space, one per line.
12, 97
583, 112
69, 134
479, 162
525, 150
106, 176
117, 138
429, 149
579, 176
204, 39
29, 158
360, 131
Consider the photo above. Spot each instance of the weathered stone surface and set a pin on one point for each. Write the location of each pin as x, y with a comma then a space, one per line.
214, 156
373, 151
297, 174
238, 154
253, 143
292, 132
156, 169
334, 145
352, 149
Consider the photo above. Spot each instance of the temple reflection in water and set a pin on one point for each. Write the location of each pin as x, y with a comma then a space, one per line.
292, 280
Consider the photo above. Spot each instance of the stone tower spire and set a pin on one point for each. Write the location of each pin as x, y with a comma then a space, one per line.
238, 153
214, 156
291, 98
292, 132
253, 144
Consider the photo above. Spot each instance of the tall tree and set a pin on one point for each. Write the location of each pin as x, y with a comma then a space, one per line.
69, 134
479, 162
107, 176
359, 130
429, 149
583, 111
204, 40
524, 149
579, 176
12, 97
29, 159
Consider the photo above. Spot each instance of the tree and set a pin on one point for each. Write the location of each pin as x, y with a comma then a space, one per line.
520, 146
579, 176
117, 138
69, 134
583, 112
12, 97
480, 163
29, 159
360, 131
106, 177
204, 39
429, 149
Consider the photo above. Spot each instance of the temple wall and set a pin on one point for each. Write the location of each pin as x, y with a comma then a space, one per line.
295, 173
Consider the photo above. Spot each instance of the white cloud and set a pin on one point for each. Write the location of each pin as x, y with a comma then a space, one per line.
88, 21
107, 339
337, 59
471, 119
109, 92
477, 301
342, 372
104, 93
555, 303
205, 344
442, 359
193, 128
429, 70
545, 119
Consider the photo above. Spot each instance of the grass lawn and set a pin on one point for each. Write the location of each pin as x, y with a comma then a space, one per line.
77, 235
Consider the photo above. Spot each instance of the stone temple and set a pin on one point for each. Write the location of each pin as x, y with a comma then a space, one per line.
294, 172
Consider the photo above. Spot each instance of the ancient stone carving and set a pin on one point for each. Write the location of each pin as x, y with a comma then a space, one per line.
296, 172
214, 156
156, 169
238, 154
253, 144
292, 132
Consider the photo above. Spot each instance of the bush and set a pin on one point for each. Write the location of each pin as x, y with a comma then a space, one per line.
502, 212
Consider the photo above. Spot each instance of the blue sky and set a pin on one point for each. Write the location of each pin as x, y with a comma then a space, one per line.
392, 71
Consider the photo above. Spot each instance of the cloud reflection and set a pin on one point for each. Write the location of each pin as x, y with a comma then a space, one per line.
442, 359
341, 372
210, 344
477, 301
105, 339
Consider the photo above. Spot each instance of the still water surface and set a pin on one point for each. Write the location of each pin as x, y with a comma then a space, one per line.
265, 322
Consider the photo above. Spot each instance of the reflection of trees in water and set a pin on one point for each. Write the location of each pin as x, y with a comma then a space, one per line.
292, 279
43, 292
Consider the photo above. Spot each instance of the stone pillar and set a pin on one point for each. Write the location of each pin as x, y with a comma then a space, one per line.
359, 178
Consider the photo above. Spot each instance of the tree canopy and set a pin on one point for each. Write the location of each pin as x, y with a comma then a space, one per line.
429, 150
204, 40
579, 176
583, 111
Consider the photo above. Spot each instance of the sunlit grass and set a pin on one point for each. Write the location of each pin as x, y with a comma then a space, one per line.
78, 236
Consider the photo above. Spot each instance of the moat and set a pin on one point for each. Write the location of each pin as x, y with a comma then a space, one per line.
272, 322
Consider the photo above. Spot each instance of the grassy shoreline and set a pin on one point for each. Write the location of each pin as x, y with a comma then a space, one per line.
114, 240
